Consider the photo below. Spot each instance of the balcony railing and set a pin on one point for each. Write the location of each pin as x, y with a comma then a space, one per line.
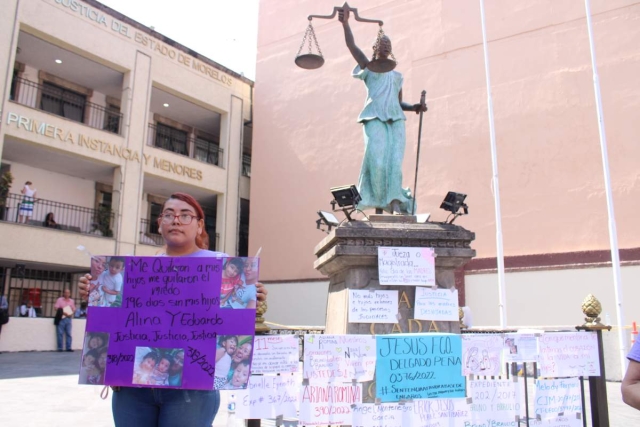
246, 165
185, 144
78, 219
149, 233
65, 104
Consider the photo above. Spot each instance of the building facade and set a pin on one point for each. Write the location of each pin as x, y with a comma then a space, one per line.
554, 212
107, 118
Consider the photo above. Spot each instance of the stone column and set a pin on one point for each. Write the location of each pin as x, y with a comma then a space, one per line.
349, 257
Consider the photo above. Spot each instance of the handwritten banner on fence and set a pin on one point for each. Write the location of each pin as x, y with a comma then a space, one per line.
482, 354
373, 306
328, 403
494, 401
406, 266
520, 348
414, 366
268, 397
561, 421
438, 413
569, 354
380, 415
558, 396
275, 354
168, 311
339, 358
436, 304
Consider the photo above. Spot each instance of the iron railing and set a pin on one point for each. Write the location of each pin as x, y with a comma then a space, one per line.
246, 165
78, 219
149, 233
66, 104
185, 144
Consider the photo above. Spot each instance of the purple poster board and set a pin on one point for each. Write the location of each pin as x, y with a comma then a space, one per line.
176, 322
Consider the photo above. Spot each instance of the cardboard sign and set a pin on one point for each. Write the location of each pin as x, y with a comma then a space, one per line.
167, 327
373, 306
482, 354
419, 366
436, 304
406, 266
558, 396
268, 397
328, 404
274, 354
339, 358
569, 354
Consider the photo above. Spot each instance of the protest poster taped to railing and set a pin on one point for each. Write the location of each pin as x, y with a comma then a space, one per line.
381, 414
415, 366
328, 404
373, 306
168, 322
339, 358
569, 354
482, 354
558, 396
520, 347
558, 421
436, 304
495, 401
269, 396
274, 354
406, 266
438, 413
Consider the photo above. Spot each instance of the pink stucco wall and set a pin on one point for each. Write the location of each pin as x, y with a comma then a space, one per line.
306, 139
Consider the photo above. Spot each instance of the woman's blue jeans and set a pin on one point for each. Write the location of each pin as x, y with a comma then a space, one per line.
164, 407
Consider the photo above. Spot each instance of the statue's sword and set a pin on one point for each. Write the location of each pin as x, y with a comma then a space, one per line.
415, 184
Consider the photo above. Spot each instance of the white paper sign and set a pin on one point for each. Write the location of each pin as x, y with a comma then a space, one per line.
274, 354
381, 415
322, 404
558, 396
520, 348
438, 413
482, 354
373, 306
436, 304
563, 421
569, 354
406, 266
495, 401
339, 358
268, 397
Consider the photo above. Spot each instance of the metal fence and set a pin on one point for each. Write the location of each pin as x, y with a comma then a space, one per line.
149, 233
246, 165
66, 104
185, 144
78, 219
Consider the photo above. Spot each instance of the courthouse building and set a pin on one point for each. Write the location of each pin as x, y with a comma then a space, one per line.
554, 211
107, 118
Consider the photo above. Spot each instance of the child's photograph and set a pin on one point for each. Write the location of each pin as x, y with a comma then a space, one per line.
158, 366
233, 361
94, 358
105, 288
239, 278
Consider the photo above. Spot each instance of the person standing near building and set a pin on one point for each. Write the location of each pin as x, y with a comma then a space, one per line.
26, 310
26, 206
68, 307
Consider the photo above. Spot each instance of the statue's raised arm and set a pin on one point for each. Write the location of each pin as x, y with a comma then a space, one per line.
358, 55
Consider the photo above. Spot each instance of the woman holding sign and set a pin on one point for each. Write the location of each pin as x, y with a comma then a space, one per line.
181, 224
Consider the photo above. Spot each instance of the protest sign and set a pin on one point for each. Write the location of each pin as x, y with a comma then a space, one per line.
406, 266
436, 304
520, 348
274, 354
165, 329
268, 397
414, 366
380, 415
373, 306
495, 401
569, 354
322, 404
438, 413
339, 358
559, 421
558, 396
482, 354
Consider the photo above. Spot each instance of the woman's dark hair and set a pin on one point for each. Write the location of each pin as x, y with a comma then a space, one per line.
202, 240
48, 217
151, 355
238, 262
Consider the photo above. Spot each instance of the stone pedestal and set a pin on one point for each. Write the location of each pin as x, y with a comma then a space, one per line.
349, 257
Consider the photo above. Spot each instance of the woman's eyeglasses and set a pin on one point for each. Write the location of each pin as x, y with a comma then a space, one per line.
185, 219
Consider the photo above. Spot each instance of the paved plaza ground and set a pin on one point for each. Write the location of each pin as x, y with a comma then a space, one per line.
40, 389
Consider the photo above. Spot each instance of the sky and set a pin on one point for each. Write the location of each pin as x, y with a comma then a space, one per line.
224, 31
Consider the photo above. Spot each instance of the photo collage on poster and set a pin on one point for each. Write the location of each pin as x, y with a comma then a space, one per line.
158, 366
94, 358
107, 277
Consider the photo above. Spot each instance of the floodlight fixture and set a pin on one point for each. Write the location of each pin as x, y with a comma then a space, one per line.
345, 196
326, 219
453, 202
